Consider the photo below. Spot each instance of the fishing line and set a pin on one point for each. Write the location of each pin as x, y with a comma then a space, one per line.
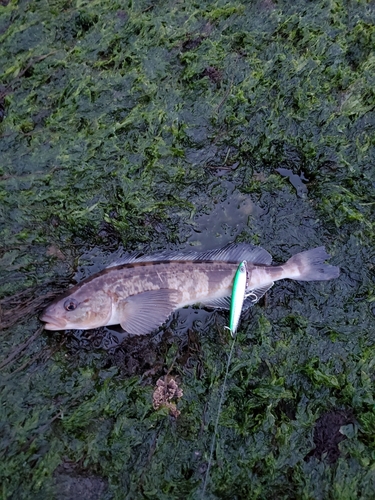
217, 419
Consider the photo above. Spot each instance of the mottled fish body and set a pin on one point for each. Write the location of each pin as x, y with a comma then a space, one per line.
140, 293
238, 297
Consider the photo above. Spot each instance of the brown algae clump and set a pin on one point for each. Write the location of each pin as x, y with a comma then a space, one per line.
167, 389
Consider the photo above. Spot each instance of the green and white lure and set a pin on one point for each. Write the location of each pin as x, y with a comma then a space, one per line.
238, 297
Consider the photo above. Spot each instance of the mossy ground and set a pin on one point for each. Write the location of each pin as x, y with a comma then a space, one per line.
125, 125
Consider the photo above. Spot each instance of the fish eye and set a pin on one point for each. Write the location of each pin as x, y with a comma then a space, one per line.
70, 304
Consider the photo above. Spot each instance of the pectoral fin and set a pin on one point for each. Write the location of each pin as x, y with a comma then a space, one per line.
145, 311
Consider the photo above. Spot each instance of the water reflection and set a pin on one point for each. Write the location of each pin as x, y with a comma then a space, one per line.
225, 221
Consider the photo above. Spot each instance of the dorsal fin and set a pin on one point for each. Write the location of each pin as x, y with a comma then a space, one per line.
126, 259
233, 252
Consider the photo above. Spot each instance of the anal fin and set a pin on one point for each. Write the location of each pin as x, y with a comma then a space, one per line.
219, 303
252, 296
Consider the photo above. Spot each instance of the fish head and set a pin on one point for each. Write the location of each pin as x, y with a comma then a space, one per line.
80, 308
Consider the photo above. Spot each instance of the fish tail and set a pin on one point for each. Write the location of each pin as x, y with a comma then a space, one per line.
310, 266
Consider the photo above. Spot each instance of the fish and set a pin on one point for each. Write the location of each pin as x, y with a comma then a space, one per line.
141, 292
238, 297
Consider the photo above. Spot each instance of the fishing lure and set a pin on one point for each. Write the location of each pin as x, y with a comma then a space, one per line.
238, 297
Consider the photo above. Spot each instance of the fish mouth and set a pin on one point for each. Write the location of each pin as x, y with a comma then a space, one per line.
52, 323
